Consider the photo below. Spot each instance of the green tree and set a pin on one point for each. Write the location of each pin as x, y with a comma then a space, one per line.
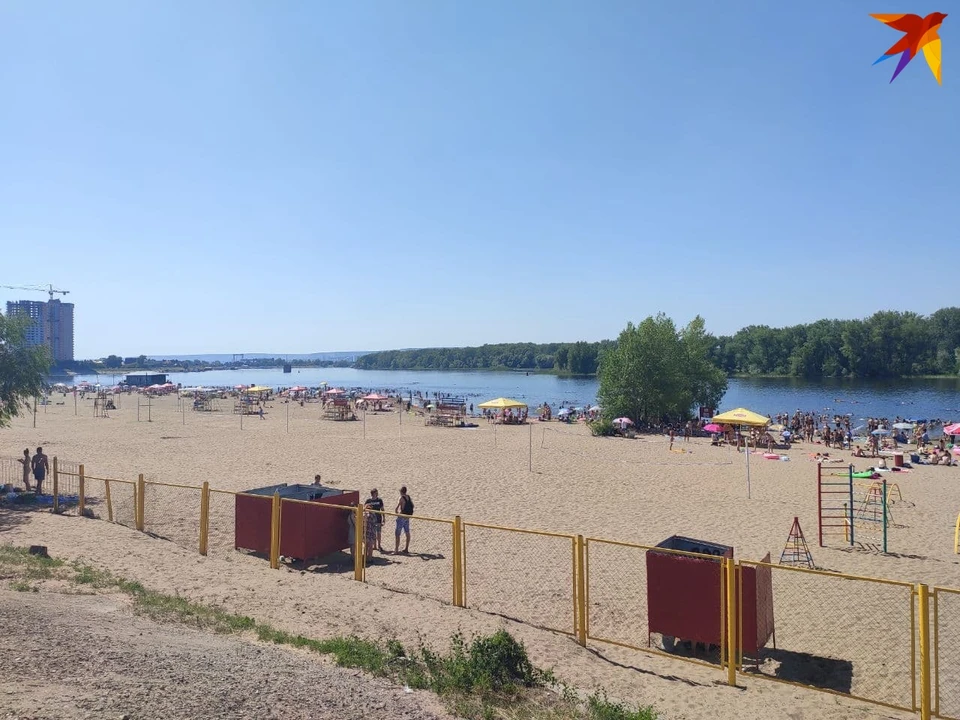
707, 382
22, 368
112, 361
657, 372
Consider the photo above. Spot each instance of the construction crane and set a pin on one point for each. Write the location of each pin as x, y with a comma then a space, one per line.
38, 288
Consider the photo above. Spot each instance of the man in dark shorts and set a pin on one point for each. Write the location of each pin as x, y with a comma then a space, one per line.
405, 510
375, 502
40, 467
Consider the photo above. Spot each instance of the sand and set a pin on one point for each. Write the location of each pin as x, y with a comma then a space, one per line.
853, 636
87, 656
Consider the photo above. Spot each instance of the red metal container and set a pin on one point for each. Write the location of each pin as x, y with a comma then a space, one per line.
308, 529
685, 595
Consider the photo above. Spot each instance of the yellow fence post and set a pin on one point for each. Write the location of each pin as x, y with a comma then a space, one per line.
204, 517
956, 529
81, 495
275, 533
457, 564
56, 485
358, 559
106, 485
732, 620
923, 597
141, 493
580, 592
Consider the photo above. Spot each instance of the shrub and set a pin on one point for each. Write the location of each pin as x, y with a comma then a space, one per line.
601, 427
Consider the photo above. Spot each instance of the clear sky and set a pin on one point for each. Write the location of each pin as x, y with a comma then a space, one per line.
230, 176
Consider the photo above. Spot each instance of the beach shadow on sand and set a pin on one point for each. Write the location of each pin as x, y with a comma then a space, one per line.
10, 518
596, 652
805, 669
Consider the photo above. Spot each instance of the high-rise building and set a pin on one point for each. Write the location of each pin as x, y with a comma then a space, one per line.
51, 325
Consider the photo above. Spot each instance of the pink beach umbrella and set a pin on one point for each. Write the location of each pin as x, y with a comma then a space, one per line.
335, 391
712, 427
952, 429
624, 421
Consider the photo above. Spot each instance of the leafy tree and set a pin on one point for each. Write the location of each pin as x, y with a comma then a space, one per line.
112, 361
22, 368
657, 372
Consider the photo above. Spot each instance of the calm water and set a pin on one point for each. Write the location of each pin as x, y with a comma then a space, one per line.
906, 398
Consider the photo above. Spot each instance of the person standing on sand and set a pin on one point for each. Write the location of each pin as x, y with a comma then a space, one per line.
40, 467
405, 510
375, 502
25, 461
672, 435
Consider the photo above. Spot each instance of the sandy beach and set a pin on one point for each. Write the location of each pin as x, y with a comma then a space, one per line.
632, 491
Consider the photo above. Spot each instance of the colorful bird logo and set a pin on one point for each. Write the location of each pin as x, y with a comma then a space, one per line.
919, 33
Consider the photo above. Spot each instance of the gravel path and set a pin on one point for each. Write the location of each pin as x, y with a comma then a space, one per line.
87, 656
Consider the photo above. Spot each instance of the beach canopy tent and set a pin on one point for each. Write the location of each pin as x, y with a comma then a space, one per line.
501, 403
374, 397
334, 391
742, 416
952, 429
257, 389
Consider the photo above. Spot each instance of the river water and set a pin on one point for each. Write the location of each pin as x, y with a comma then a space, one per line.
916, 399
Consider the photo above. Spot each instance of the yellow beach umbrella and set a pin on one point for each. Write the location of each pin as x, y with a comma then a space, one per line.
742, 416
501, 403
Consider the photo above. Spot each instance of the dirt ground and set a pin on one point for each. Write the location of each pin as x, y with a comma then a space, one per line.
72, 656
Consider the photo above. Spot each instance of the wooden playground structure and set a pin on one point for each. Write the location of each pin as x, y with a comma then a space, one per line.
338, 408
103, 404
448, 412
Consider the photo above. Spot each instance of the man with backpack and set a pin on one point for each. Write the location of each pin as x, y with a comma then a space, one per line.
404, 511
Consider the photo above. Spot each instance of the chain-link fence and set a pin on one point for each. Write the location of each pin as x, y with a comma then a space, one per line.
221, 533
426, 569
525, 575
655, 599
945, 615
11, 472
833, 632
172, 512
111, 500
844, 634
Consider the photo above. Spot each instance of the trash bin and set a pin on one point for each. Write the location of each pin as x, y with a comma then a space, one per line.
898, 459
308, 529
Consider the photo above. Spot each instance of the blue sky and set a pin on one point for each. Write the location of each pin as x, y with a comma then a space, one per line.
302, 176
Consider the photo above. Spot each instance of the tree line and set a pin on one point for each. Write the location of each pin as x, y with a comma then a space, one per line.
886, 344
578, 358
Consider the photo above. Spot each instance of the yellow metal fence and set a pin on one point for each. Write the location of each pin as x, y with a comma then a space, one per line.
843, 634
886, 642
946, 644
